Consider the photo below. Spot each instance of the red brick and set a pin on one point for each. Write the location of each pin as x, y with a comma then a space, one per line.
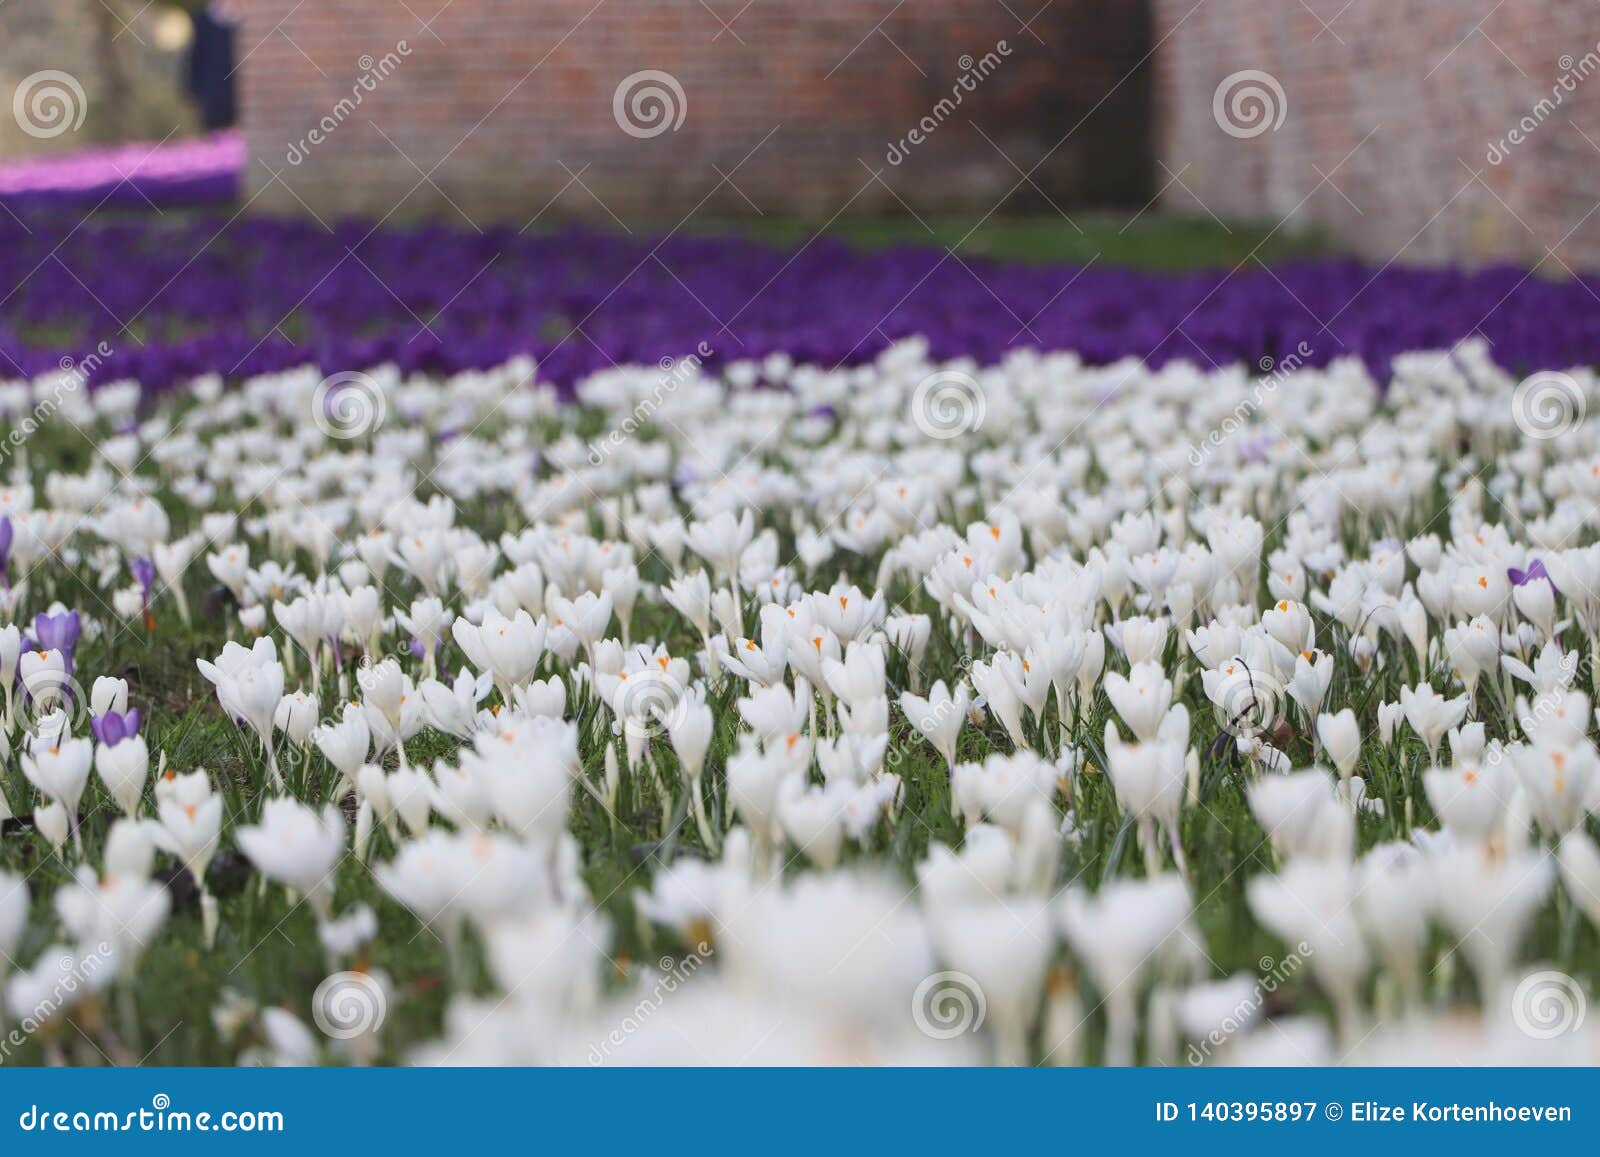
540, 120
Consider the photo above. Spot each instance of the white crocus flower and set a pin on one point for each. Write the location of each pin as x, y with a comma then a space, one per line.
123, 768
1553, 670
1579, 858
1341, 739
107, 695
1302, 815
1000, 697
453, 707
721, 539
1120, 932
1310, 902
1313, 672
1473, 648
14, 904
1142, 640
860, 677
61, 772
345, 743
189, 826
1431, 714
509, 649
1150, 779
297, 847
1141, 699
43, 675
940, 717
1487, 900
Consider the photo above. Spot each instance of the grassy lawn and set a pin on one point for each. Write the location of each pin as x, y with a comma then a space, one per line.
1150, 241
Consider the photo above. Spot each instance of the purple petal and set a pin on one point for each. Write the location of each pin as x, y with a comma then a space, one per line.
112, 728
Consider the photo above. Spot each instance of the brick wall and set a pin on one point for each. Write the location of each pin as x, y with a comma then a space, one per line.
1391, 110
504, 108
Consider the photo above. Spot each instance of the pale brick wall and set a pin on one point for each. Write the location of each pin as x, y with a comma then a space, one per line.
1428, 85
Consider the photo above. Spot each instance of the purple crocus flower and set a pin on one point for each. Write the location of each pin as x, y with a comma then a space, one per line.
1535, 571
144, 573
57, 633
6, 535
112, 728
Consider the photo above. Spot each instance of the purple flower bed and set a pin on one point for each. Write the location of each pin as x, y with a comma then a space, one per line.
257, 295
198, 171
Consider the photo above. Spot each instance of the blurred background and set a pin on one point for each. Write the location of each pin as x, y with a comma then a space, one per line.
244, 186
1399, 130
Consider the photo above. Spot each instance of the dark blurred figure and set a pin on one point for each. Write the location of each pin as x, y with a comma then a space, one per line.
210, 78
